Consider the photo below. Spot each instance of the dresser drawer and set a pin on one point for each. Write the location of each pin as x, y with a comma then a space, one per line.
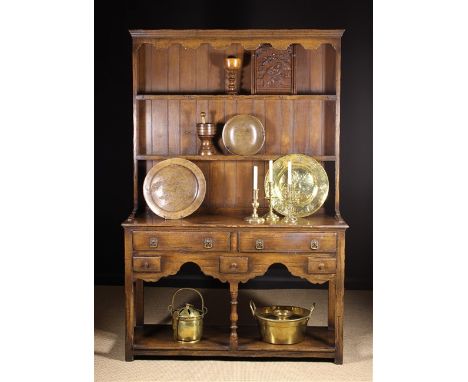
147, 264
261, 241
233, 264
315, 265
181, 241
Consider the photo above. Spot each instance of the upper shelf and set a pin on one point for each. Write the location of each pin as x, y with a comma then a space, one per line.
260, 157
316, 97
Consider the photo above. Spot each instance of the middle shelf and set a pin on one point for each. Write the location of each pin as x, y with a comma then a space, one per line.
159, 96
261, 157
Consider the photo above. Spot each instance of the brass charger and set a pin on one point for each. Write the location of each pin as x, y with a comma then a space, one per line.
174, 188
309, 188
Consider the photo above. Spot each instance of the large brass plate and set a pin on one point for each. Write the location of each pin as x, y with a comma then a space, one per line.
174, 188
243, 134
309, 184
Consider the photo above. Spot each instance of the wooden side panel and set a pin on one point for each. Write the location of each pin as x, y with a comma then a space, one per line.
159, 127
216, 70
159, 71
188, 134
272, 126
286, 126
173, 120
301, 127
173, 80
329, 67
316, 108
316, 70
302, 70
203, 68
144, 59
188, 70
329, 127
144, 126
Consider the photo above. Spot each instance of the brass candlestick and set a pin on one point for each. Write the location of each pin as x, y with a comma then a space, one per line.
254, 218
232, 66
290, 199
270, 217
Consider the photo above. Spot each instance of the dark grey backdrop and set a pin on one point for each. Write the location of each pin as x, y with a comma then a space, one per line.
113, 117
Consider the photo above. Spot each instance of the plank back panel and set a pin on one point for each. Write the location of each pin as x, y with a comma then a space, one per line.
168, 127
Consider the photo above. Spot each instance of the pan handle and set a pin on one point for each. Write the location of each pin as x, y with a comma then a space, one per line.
311, 309
252, 307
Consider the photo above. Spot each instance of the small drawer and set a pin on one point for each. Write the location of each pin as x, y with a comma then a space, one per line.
147, 264
233, 264
181, 241
315, 265
261, 241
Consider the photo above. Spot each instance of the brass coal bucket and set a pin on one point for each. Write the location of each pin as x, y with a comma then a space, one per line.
282, 325
187, 321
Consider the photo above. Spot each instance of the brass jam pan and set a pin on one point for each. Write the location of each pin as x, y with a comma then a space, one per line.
174, 188
282, 325
243, 134
309, 184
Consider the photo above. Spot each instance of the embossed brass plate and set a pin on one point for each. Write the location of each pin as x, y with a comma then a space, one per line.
309, 184
243, 134
174, 188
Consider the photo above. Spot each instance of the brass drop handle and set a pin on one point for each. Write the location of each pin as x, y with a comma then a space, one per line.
153, 242
314, 244
233, 266
146, 265
259, 244
208, 243
321, 266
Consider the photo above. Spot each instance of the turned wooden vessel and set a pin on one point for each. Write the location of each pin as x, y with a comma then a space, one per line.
206, 132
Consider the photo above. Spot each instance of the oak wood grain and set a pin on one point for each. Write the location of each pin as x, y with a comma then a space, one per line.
176, 75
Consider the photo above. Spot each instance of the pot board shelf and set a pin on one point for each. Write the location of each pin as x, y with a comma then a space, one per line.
158, 340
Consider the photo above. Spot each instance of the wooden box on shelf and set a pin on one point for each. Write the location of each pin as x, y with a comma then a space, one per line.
176, 75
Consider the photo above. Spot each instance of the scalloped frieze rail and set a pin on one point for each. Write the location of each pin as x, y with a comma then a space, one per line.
249, 39
208, 269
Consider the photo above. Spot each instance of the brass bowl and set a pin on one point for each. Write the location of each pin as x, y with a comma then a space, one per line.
282, 325
243, 134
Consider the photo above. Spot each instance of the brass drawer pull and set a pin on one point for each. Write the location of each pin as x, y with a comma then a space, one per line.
259, 244
146, 265
321, 266
233, 266
314, 244
208, 243
153, 242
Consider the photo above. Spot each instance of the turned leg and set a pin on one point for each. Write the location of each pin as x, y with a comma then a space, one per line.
233, 289
339, 303
139, 302
129, 299
331, 304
